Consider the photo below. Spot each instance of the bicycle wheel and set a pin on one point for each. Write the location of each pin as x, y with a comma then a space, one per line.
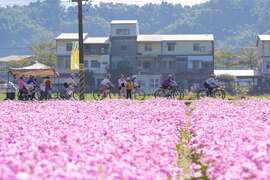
220, 94
180, 94
98, 96
160, 93
76, 96
201, 94
139, 94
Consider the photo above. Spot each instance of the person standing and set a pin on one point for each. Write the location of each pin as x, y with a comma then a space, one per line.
122, 86
11, 91
48, 88
129, 88
22, 88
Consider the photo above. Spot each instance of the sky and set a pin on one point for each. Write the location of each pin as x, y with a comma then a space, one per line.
140, 2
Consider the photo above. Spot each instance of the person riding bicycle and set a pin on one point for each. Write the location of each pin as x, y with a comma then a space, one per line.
105, 85
210, 84
168, 82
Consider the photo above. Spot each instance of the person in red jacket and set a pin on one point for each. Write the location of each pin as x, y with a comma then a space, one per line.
48, 87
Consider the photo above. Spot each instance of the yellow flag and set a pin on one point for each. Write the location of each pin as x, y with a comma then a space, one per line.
74, 57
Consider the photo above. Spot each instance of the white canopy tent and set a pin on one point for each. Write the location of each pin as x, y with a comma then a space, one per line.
37, 70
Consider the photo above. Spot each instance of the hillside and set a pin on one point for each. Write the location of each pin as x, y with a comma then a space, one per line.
234, 22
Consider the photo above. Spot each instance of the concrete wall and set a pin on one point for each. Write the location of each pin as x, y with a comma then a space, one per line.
149, 83
133, 29
187, 48
156, 49
61, 47
118, 43
266, 48
104, 61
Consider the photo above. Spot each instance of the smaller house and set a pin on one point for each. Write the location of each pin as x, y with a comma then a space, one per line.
244, 78
149, 83
263, 46
5, 62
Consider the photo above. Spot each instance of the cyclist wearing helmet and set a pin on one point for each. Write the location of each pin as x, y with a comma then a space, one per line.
211, 83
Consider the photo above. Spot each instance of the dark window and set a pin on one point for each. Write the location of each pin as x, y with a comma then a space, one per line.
198, 48
123, 47
146, 65
95, 64
171, 46
63, 63
267, 66
68, 46
122, 31
148, 47
86, 64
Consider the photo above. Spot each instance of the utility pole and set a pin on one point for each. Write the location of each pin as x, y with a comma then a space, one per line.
81, 55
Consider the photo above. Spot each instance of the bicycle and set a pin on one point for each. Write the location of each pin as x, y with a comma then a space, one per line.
99, 94
70, 93
139, 94
172, 92
217, 92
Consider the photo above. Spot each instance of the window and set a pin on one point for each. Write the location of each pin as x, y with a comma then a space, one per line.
68, 46
146, 65
154, 83
95, 64
148, 47
122, 31
141, 83
171, 46
86, 64
102, 50
196, 65
63, 63
123, 47
267, 66
198, 48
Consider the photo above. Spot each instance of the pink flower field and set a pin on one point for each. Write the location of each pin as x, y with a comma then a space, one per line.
122, 139
99, 140
233, 137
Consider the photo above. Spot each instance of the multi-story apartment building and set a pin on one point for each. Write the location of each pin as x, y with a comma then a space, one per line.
189, 57
123, 39
263, 45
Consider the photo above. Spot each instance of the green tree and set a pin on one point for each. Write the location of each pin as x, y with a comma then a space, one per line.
45, 53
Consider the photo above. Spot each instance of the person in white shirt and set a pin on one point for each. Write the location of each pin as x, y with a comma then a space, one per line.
71, 81
122, 86
105, 85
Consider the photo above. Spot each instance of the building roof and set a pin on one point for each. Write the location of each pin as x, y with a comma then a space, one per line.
14, 58
124, 22
236, 73
264, 37
70, 36
176, 37
97, 40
